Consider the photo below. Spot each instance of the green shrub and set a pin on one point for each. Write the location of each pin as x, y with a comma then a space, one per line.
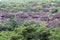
9, 26
32, 32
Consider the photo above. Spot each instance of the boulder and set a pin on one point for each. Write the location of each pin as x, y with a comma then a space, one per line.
21, 16
44, 18
56, 15
54, 23
46, 9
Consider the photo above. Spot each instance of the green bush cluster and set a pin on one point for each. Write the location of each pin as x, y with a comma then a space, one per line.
26, 6
15, 7
35, 6
31, 31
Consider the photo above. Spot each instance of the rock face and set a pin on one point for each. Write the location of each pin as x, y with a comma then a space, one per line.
42, 16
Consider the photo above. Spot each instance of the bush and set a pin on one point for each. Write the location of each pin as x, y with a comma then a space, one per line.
30, 31
33, 32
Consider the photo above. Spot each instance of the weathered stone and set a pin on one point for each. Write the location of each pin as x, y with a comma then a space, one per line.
54, 23
56, 15
21, 16
46, 9
44, 18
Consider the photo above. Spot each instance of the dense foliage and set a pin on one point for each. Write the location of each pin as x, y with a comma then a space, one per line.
21, 5
30, 31
14, 30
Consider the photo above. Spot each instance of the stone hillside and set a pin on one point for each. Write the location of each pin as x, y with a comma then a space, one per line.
42, 16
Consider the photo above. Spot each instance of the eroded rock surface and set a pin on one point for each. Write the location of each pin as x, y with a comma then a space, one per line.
42, 16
